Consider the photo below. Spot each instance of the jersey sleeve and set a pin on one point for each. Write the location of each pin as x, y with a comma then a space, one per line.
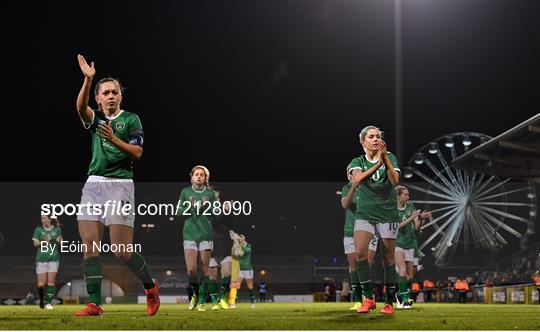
247, 249
394, 161
92, 123
344, 191
136, 134
36, 234
354, 164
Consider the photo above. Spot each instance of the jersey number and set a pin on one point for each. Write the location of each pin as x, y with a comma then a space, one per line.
376, 176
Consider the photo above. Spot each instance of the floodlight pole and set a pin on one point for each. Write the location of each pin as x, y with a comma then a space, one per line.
398, 79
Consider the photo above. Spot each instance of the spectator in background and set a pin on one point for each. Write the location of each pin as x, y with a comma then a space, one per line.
262, 291
536, 280
415, 289
429, 287
462, 287
345, 290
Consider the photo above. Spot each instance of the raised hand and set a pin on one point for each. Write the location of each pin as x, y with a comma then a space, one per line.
416, 213
382, 149
88, 70
425, 215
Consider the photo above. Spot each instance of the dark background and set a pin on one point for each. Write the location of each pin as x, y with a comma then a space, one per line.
261, 90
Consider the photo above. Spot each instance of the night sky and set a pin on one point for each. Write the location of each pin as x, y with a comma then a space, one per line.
262, 90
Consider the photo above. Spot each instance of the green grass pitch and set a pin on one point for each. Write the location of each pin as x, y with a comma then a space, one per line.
276, 316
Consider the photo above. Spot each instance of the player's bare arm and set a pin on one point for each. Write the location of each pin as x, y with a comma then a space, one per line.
393, 175
132, 150
359, 176
413, 216
85, 112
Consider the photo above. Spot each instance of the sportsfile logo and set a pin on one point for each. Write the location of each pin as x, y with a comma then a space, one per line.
125, 208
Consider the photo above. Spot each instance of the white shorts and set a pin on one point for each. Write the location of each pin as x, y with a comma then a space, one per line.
226, 260
373, 243
111, 196
246, 274
382, 230
213, 263
44, 267
348, 245
199, 245
409, 254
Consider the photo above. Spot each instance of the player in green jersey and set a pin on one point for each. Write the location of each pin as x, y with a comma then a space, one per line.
406, 243
195, 206
117, 139
246, 269
377, 173
348, 202
47, 238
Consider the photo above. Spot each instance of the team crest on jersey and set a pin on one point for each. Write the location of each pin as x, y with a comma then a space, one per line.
120, 125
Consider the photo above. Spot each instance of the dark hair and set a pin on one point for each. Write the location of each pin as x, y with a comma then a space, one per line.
105, 80
54, 220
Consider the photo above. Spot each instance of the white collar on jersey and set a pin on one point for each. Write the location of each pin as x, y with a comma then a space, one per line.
48, 229
114, 117
371, 161
198, 191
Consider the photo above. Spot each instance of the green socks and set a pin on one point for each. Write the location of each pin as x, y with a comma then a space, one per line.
225, 286
355, 286
214, 291
138, 266
390, 280
193, 286
403, 288
203, 291
51, 290
93, 276
364, 276
252, 296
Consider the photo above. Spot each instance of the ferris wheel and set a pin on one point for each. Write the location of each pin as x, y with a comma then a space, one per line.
470, 210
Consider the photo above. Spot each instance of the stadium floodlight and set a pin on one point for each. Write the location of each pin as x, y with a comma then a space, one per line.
168, 273
532, 213
69, 283
419, 159
449, 142
433, 148
530, 195
253, 226
408, 174
466, 140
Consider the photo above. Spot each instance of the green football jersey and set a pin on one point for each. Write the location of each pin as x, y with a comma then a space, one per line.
348, 230
376, 199
193, 205
405, 237
107, 159
245, 260
43, 234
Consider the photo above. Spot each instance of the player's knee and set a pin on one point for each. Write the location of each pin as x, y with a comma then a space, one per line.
41, 284
192, 272
361, 254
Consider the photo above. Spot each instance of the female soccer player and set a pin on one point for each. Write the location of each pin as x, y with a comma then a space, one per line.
196, 204
404, 252
47, 238
376, 213
117, 139
348, 202
246, 269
